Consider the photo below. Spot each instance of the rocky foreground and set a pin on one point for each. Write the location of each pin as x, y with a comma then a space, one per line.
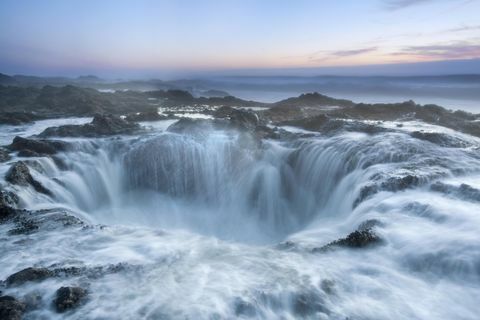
119, 114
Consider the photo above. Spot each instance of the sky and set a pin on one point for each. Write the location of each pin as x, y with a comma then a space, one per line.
147, 38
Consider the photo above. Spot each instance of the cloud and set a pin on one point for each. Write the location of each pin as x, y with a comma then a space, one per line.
459, 50
463, 28
348, 53
330, 55
400, 4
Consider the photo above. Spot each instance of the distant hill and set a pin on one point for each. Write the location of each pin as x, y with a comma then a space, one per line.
7, 80
313, 100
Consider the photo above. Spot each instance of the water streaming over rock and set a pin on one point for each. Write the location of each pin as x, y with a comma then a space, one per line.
220, 225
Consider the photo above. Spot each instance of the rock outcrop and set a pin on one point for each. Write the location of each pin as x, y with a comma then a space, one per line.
101, 125
11, 308
28, 275
36, 147
19, 174
68, 298
8, 203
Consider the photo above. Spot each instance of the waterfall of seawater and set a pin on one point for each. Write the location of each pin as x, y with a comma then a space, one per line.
226, 184
311, 190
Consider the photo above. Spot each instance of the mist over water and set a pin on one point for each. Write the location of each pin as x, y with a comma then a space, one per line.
451, 92
214, 224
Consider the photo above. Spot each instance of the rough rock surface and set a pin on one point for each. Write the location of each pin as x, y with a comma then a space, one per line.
19, 174
243, 119
28, 222
33, 147
4, 156
11, 308
146, 116
28, 275
440, 139
101, 125
361, 238
18, 118
8, 203
69, 298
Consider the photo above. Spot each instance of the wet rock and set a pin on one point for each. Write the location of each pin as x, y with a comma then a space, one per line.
91, 272
68, 298
242, 119
18, 118
19, 174
4, 156
409, 110
314, 99
34, 148
8, 204
101, 125
325, 124
11, 308
24, 226
146, 116
401, 183
310, 123
391, 184
28, 222
360, 238
463, 191
440, 139
28, 275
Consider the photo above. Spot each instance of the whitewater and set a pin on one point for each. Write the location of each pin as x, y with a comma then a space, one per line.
215, 224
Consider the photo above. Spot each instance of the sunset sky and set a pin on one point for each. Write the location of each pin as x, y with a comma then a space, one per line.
135, 37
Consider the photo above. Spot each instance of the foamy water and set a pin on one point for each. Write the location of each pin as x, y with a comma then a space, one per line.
200, 226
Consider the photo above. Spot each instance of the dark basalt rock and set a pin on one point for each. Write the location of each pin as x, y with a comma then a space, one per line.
18, 118
464, 191
11, 308
440, 139
391, 184
24, 226
19, 174
33, 274
4, 156
28, 222
146, 116
314, 99
409, 110
28, 275
8, 204
101, 125
68, 298
33, 148
360, 238
311, 123
243, 119
325, 124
